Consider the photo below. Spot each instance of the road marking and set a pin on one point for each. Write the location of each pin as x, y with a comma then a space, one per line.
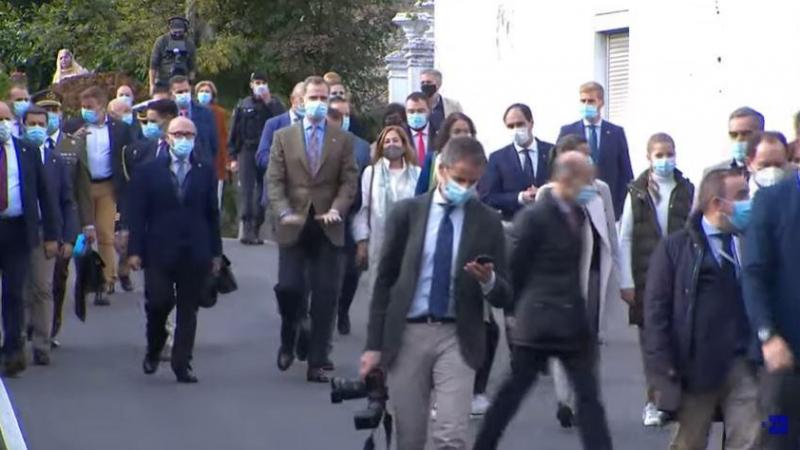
9, 427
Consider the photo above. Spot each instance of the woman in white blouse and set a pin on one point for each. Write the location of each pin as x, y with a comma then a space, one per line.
391, 177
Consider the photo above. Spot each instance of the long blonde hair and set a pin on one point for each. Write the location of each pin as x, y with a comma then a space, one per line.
74, 68
408, 155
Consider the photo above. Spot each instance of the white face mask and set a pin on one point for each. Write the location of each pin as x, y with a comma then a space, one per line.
769, 176
520, 136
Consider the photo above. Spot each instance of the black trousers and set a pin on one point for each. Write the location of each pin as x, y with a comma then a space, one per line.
181, 286
780, 393
14, 265
492, 340
251, 188
314, 257
60, 275
526, 365
350, 279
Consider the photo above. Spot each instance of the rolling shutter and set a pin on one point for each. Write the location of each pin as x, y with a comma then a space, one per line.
618, 76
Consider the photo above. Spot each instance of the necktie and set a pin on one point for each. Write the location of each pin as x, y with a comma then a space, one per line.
3, 178
183, 169
727, 266
162, 150
442, 266
420, 148
48, 149
312, 150
528, 169
593, 142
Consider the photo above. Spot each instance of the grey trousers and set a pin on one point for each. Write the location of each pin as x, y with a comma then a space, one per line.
738, 399
38, 297
429, 362
251, 188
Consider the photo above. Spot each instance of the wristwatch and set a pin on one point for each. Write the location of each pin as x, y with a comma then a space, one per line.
765, 334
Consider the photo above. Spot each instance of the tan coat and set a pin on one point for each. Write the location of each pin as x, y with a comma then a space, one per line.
293, 188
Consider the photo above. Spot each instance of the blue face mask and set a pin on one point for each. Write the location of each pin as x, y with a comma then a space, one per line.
300, 111
5, 131
89, 115
260, 89
204, 98
128, 100
457, 194
588, 112
183, 100
182, 148
417, 121
664, 167
587, 193
316, 110
740, 218
36, 135
346, 123
53, 122
151, 131
127, 118
738, 151
21, 107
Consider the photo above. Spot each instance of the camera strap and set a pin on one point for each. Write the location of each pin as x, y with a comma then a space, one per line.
388, 426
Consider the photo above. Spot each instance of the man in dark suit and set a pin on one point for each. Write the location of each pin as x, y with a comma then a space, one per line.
426, 318
423, 133
772, 296
743, 124
203, 118
550, 310
312, 178
39, 303
25, 205
103, 139
696, 336
516, 171
607, 142
175, 236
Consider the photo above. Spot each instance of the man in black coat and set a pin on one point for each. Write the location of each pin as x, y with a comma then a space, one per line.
697, 339
25, 204
550, 310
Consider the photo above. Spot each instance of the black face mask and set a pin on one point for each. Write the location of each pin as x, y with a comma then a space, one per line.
429, 89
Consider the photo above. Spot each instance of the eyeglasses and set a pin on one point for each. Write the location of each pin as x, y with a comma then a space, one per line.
182, 134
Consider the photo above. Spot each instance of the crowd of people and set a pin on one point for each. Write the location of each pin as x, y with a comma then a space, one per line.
549, 233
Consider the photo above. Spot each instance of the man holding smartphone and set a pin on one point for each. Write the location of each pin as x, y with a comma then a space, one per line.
426, 318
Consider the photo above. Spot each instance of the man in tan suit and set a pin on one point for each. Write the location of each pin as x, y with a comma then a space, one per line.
312, 179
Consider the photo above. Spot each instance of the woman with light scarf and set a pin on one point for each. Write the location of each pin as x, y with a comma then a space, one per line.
66, 66
392, 177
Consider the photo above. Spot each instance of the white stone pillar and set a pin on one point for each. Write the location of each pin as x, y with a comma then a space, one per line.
397, 70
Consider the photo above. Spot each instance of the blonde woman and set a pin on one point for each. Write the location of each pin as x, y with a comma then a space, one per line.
66, 66
391, 177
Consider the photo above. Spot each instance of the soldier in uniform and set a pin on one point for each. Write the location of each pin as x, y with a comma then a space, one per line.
248, 121
173, 54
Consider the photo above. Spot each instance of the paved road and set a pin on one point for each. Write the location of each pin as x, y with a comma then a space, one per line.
95, 396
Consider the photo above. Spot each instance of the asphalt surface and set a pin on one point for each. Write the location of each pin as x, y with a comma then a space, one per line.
95, 396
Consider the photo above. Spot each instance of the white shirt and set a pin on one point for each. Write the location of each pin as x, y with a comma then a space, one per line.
16, 128
665, 188
534, 151
98, 149
43, 148
12, 176
587, 126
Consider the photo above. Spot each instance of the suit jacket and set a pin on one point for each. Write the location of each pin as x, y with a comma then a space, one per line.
165, 226
614, 163
133, 158
59, 179
36, 195
550, 307
293, 188
71, 150
270, 127
770, 282
207, 141
119, 135
399, 269
504, 178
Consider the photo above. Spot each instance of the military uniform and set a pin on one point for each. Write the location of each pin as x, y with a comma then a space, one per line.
248, 122
172, 57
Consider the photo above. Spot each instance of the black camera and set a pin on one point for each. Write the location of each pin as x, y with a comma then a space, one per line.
373, 388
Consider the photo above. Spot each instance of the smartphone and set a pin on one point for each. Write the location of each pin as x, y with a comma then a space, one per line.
484, 259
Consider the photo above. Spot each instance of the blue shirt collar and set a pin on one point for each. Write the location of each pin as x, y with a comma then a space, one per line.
709, 229
320, 125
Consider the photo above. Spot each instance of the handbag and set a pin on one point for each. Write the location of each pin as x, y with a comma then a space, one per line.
223, 282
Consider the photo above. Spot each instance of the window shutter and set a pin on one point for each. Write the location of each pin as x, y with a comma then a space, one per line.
618, 76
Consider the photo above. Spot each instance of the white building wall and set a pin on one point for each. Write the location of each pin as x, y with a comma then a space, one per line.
497, 52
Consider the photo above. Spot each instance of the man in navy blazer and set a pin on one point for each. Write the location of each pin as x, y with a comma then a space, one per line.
607, 142
206, 143
516, 171
24, 193
294, 115
772, 296
175, 236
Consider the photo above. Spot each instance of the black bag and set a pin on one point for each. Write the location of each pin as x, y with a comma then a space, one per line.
222, 283
89, 279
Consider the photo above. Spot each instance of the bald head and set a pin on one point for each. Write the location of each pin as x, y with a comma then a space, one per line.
572, 171
5, 111
182, 125
118, 108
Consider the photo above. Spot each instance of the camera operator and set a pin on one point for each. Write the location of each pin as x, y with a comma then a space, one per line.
426, 318
173, 53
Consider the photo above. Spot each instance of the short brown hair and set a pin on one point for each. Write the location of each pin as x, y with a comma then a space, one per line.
713, 186
660, 138
178, 79
315, 80
96, 93
593, 86
771, 137
332, 78
463, 149
208, 83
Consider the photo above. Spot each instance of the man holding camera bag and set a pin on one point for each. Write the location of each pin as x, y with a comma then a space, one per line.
444, 256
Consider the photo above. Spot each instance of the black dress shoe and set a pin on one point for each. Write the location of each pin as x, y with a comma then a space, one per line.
285, 359
317, 376
126, 283
41, 358
13, 365
150, 365
185, 375
101, 300
343, 324
328, 366
565, 416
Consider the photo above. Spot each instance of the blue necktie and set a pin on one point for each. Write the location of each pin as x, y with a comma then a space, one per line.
528, 169
48, 149
442, 266
593, 142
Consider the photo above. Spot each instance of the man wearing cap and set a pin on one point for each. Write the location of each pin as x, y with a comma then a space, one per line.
173, 53
249, 118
